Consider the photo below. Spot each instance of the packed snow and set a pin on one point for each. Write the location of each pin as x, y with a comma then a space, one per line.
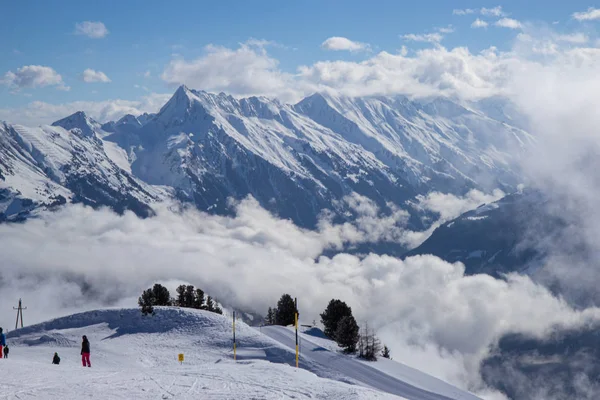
136, 357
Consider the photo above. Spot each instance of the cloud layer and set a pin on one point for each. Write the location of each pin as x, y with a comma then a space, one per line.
80, 258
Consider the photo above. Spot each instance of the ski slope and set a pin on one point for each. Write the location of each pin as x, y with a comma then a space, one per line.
135, 357
398, 379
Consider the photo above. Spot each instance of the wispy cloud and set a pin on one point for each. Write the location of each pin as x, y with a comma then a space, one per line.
508, 23
479, 23
91, 76
589, 15
94, 30
491, 12
425, 37
338, 43
33, 76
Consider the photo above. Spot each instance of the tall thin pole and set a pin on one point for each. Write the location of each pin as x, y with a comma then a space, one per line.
296, 323
234, 352
19, 314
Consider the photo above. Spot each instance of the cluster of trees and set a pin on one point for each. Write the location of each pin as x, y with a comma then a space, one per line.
283, 313
187, 296
339, 324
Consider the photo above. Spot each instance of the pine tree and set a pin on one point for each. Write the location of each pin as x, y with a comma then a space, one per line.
346, 334
210, 305
218, 310
162, 297
199, 299
385, 352
146, 301
189, 296
286, 309
335, 311
270, 316
180, 296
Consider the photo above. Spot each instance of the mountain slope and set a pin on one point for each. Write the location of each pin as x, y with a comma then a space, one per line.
50, 165
505, 236
298, 160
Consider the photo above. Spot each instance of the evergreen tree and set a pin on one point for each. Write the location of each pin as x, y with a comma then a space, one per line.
218, 310
335, 311
385, 353
199, 299
270, 316
189, 296
346, 334
210, 305
146, 301
162, 297
180, 296
286, 309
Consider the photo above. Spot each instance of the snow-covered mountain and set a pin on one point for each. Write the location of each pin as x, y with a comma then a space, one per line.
67, 162
296, 160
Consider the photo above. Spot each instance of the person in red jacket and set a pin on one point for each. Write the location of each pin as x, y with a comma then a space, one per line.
85, 352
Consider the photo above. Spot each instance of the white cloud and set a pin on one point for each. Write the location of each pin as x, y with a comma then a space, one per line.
445, 30
478, 23
508, 23
147, 74
94, 30
246, 71
341, 43
464, 12
494, 12
426, 37
33, 76
90, 76
589, 15
576, 38
39, 112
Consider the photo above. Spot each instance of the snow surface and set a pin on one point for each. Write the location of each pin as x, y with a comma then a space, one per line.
135, 357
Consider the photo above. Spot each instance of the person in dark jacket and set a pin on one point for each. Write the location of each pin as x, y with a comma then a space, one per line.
85, 352
56, 359
2, 342
6, 350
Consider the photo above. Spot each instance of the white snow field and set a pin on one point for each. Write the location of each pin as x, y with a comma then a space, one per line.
135, 357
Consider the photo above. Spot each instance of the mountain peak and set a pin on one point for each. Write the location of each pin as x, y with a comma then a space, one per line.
79, 121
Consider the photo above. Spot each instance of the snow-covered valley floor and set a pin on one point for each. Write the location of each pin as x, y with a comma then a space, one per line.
135, 357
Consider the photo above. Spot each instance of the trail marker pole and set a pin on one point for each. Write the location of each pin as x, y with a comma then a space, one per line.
296, 323
234, 344
19, 314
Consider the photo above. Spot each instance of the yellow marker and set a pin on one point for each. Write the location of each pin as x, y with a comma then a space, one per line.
181, 357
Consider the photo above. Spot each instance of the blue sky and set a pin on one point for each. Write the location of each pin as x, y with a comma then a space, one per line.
143, 37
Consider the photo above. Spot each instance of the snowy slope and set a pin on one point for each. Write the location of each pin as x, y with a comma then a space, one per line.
49, 165
136, 357
385, 375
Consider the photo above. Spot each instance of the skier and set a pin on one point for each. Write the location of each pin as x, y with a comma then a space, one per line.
85, 352
56, 359
2, 341
6, 351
